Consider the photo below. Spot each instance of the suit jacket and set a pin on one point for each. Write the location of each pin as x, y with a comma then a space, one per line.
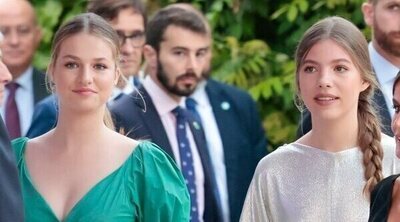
11, 207
140, 120
378, 103
243, 138
44, 117
39, 85
40, 92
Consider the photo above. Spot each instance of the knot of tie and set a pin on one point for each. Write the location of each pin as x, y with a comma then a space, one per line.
12, 113
12, 86
191, 104
180, 112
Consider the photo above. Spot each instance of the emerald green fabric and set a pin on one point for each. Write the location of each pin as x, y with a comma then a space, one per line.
146, 187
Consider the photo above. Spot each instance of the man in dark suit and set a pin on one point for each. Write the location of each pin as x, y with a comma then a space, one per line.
234, 134
384, 53
177, 44
128, 18
22, 36
11, 208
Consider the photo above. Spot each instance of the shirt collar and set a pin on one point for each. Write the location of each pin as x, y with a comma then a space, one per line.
25, 79
384, 70
162, 101
200, 94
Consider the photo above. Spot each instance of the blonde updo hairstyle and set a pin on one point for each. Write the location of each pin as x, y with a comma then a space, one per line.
92, 24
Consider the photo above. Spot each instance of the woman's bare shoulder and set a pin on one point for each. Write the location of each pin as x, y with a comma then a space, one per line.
124, 142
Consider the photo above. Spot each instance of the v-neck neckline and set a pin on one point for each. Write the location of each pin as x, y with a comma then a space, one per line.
80, 200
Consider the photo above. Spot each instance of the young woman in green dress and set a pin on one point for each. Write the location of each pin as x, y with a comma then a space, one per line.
83, 170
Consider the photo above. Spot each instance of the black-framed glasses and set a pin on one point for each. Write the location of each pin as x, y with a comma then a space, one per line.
137, 38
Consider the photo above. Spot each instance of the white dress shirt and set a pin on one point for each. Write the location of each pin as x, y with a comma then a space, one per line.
24, 97
164, 105
214, 144
386, 73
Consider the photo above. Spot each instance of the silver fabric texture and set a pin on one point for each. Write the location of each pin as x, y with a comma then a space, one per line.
302, 183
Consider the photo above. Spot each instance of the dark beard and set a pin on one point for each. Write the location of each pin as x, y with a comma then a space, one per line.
162, 76
385, 40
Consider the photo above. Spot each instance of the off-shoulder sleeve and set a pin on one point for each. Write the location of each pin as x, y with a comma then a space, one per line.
255, 208
161, 193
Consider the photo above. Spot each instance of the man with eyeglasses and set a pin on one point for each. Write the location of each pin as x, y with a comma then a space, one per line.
22, 36
128, 18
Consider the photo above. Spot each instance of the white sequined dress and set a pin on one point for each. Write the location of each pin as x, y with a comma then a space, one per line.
302, 183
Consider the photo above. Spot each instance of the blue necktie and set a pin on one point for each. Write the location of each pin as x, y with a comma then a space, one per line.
191, 106
187, 166
136, 81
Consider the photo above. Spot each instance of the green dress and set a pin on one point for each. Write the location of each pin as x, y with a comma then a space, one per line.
146, 187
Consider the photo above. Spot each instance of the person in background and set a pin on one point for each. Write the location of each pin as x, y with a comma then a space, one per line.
22, 36
384, 50
385, 198
83, 170
235, 137
128, 18
330, 171
176, 52
11, 208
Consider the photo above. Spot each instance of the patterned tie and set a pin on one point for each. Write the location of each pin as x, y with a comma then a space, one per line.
12, 114
191, 106
187, 166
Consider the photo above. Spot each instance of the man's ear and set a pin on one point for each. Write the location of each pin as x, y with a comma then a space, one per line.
367, 9
38, 35
117, 75
150, 56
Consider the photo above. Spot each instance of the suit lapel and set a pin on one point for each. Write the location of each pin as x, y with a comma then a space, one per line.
383, 112
39, 85
153, 123
221, 108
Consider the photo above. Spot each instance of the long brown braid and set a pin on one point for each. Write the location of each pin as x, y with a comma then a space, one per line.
349, 37
369, 137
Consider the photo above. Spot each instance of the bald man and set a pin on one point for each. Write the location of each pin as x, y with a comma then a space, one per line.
10, 192
22, 36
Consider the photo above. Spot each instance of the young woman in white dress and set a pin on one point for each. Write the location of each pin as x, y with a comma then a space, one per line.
327, 174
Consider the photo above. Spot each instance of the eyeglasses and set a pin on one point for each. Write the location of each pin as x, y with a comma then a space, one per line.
137, 38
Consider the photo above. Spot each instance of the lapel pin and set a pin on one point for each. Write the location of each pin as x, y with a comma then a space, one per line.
196, 125
225, 105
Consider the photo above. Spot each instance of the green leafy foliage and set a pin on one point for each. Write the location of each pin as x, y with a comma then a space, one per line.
50, 14
254, 42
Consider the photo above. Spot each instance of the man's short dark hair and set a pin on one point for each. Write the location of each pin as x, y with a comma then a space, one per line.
172, 16
109, 9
